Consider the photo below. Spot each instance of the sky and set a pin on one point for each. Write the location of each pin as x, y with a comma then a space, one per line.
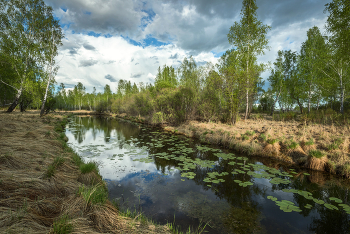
108, 40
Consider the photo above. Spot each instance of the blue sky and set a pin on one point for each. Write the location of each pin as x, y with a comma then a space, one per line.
106, 41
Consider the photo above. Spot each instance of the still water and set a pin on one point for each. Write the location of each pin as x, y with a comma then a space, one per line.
174, 179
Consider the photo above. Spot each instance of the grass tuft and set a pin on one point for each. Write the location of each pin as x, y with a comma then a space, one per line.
293, 145
94, 195
88, 167
310, 142
62, 225
316, 153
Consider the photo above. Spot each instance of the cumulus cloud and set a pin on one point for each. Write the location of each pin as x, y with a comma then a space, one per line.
87, 63
197, 27
88, 47
137, 75
173, 56
110, 78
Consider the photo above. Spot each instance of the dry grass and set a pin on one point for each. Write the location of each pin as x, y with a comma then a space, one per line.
35, 201
309, 137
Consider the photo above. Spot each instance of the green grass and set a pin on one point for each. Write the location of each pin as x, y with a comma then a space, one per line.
58, 162
316, 153
248, 133
263, 137
245, 137
50, 171
53, 166
310, 142
272, 141
293, 145
88, 167
61, 226
94, 195
77, 160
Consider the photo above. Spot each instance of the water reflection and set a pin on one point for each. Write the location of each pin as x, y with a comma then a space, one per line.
159, 190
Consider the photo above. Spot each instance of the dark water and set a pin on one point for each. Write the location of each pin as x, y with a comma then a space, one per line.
175, 179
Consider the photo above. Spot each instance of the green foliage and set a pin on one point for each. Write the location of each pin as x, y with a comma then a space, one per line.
316, 154
62, 225
26, 30
88, 167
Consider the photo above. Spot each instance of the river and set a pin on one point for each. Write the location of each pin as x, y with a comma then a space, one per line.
174, 179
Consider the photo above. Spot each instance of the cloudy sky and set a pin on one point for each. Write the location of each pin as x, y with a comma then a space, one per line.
109, 40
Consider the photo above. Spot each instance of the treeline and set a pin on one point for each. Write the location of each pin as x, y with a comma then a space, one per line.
315, 77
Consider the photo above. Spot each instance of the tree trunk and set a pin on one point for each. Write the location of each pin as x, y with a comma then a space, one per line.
309, 101
15, 102
274, 103
45, 97
342, 92
247, 94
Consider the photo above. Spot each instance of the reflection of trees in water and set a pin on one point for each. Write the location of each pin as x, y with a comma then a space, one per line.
106, 124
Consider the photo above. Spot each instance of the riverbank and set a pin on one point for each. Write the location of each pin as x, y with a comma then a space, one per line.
315, 146
45, 187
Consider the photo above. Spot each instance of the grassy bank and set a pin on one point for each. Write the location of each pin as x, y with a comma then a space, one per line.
45, 187
323, 147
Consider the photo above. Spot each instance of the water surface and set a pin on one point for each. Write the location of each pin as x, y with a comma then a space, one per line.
174, 179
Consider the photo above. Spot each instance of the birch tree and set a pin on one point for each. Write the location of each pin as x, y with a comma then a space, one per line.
54, 42
338, 24
24, 38
249, 39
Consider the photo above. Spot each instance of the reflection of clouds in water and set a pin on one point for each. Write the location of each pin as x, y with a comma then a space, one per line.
111, 167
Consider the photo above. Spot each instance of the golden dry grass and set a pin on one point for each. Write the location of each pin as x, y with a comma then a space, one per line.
30, 201
235, 137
